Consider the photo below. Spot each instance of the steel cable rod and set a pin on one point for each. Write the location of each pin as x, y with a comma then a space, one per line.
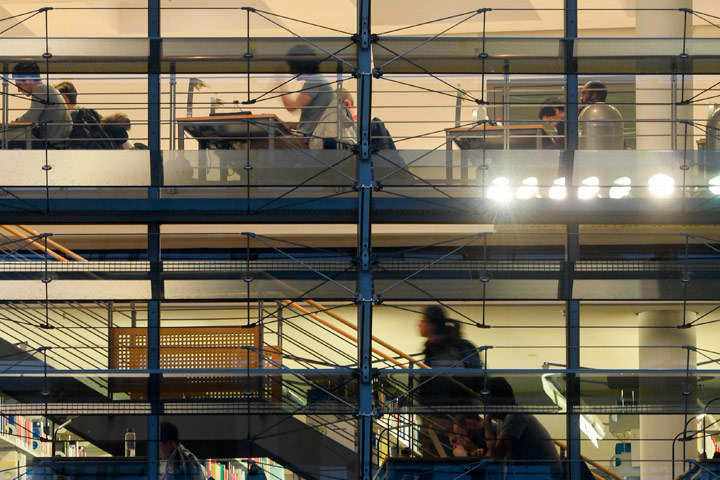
262, 240
304, 182
427, 22
284, 94
444, 256
254, 10
306, 40
430, 39
432, 75
434, 149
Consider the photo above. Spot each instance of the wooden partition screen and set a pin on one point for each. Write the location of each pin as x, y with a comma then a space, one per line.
201, 348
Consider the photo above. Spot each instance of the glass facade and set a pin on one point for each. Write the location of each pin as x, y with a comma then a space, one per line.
333, 240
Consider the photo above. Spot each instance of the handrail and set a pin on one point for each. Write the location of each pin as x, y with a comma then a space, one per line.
595, 464
21, 235
375, 339
53, 243
339, 330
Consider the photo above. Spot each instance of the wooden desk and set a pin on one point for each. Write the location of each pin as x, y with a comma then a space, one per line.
16, 135
259, 131
493, 137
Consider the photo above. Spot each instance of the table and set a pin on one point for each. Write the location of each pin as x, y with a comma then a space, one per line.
226, 131
260, 131
493, 137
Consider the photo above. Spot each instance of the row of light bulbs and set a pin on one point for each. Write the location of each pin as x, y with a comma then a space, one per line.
659, 185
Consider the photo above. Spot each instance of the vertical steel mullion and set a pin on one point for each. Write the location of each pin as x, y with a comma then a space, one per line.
5, 103
365, 186
156, 177
153, 346
154, 68
572, 307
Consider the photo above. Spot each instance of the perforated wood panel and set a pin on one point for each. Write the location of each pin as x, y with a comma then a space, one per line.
198, 348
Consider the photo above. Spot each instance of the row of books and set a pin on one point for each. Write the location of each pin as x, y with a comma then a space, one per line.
25, 433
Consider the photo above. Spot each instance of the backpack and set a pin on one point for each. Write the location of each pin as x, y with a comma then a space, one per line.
87, 133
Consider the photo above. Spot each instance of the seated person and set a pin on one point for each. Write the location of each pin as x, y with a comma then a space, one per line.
468, 437
117, 126
87, 133
48, 112
520, 437
593, 92
553, 112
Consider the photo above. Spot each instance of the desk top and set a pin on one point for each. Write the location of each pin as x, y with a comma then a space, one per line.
498, 128
520, 137
235, 127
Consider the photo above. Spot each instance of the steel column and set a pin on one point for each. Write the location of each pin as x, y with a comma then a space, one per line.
154, 68
572, 307
365, 185
153, 333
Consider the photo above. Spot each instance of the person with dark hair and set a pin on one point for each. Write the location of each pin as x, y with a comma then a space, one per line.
468, 436
316, 93
180, 463
520, 437
444, 349
48, 111
593, 92
553, 112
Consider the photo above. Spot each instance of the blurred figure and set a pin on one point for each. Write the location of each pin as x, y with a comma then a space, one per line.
180, 463
520, 436
444, 349
48, 111
315, 94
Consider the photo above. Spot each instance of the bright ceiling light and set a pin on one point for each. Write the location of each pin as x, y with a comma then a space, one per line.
589, 189
558, 192
528, 189
500, 190
715, 185
661, 185
621, 187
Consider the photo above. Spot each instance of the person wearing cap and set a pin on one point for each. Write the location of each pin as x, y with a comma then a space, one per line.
48, 112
